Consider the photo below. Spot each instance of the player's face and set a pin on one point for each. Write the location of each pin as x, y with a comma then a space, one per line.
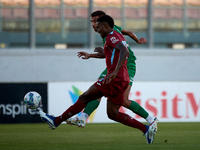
101, 29
94, 22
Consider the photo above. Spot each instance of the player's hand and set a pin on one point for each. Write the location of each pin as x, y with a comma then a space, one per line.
99, 50
142, 41
109, 78
83, 55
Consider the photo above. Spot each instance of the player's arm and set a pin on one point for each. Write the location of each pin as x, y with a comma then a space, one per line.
122, 58
133, 36
99, 54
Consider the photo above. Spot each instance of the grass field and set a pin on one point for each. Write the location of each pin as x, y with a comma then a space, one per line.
170, 136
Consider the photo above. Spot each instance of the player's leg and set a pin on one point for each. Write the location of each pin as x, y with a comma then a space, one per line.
136, 108
91, 94
130, 104
114, 114
91, 107
81, 120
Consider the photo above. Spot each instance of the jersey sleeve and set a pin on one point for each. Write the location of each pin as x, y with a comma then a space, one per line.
118, 28
113, 40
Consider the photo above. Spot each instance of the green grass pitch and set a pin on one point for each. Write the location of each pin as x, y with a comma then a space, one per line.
115, 136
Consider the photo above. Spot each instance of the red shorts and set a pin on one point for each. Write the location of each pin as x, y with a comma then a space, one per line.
114, 90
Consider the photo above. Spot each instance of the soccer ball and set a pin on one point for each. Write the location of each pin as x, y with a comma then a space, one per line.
32, 100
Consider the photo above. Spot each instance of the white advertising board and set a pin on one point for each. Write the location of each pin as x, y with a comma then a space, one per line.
169, 101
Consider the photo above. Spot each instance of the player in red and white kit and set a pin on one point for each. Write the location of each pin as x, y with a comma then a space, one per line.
112, 86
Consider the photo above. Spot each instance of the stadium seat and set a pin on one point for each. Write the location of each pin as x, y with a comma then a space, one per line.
53, 2
51, 13
176, 13
7, 13
83, 2
40, 2
136, 25
142, 13
8, 2
47, 13
100, 2
39, 14
114, 2
69, 13
132, 2
101, 8
21, 13
193, 13
114, 12
81, 13
70, 2
177, 2
22, 2
144, 2
162, 2
160, 14
193, 2
131, 13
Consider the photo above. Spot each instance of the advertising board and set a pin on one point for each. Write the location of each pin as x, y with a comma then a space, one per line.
12, 109
169, 101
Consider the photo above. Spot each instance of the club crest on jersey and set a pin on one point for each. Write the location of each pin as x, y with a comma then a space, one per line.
114, 40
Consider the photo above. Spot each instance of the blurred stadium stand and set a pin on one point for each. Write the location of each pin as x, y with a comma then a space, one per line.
168, 16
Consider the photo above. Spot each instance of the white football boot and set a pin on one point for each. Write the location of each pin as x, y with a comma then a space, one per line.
155, 123
81, 122
150, 134
72, 121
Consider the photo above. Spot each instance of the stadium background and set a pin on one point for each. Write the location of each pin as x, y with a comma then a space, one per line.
39, 47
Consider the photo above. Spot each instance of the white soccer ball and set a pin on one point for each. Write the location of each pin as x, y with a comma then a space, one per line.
32, 100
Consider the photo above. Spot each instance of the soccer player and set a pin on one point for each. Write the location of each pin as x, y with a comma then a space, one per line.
132, 105
112, 86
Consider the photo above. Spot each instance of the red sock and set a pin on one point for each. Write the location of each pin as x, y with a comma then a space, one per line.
131, 122
72, 110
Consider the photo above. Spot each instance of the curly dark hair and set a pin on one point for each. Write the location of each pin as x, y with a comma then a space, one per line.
98, 13
108, 19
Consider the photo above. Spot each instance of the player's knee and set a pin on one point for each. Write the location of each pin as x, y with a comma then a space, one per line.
127, 103
111, 115
83, 98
